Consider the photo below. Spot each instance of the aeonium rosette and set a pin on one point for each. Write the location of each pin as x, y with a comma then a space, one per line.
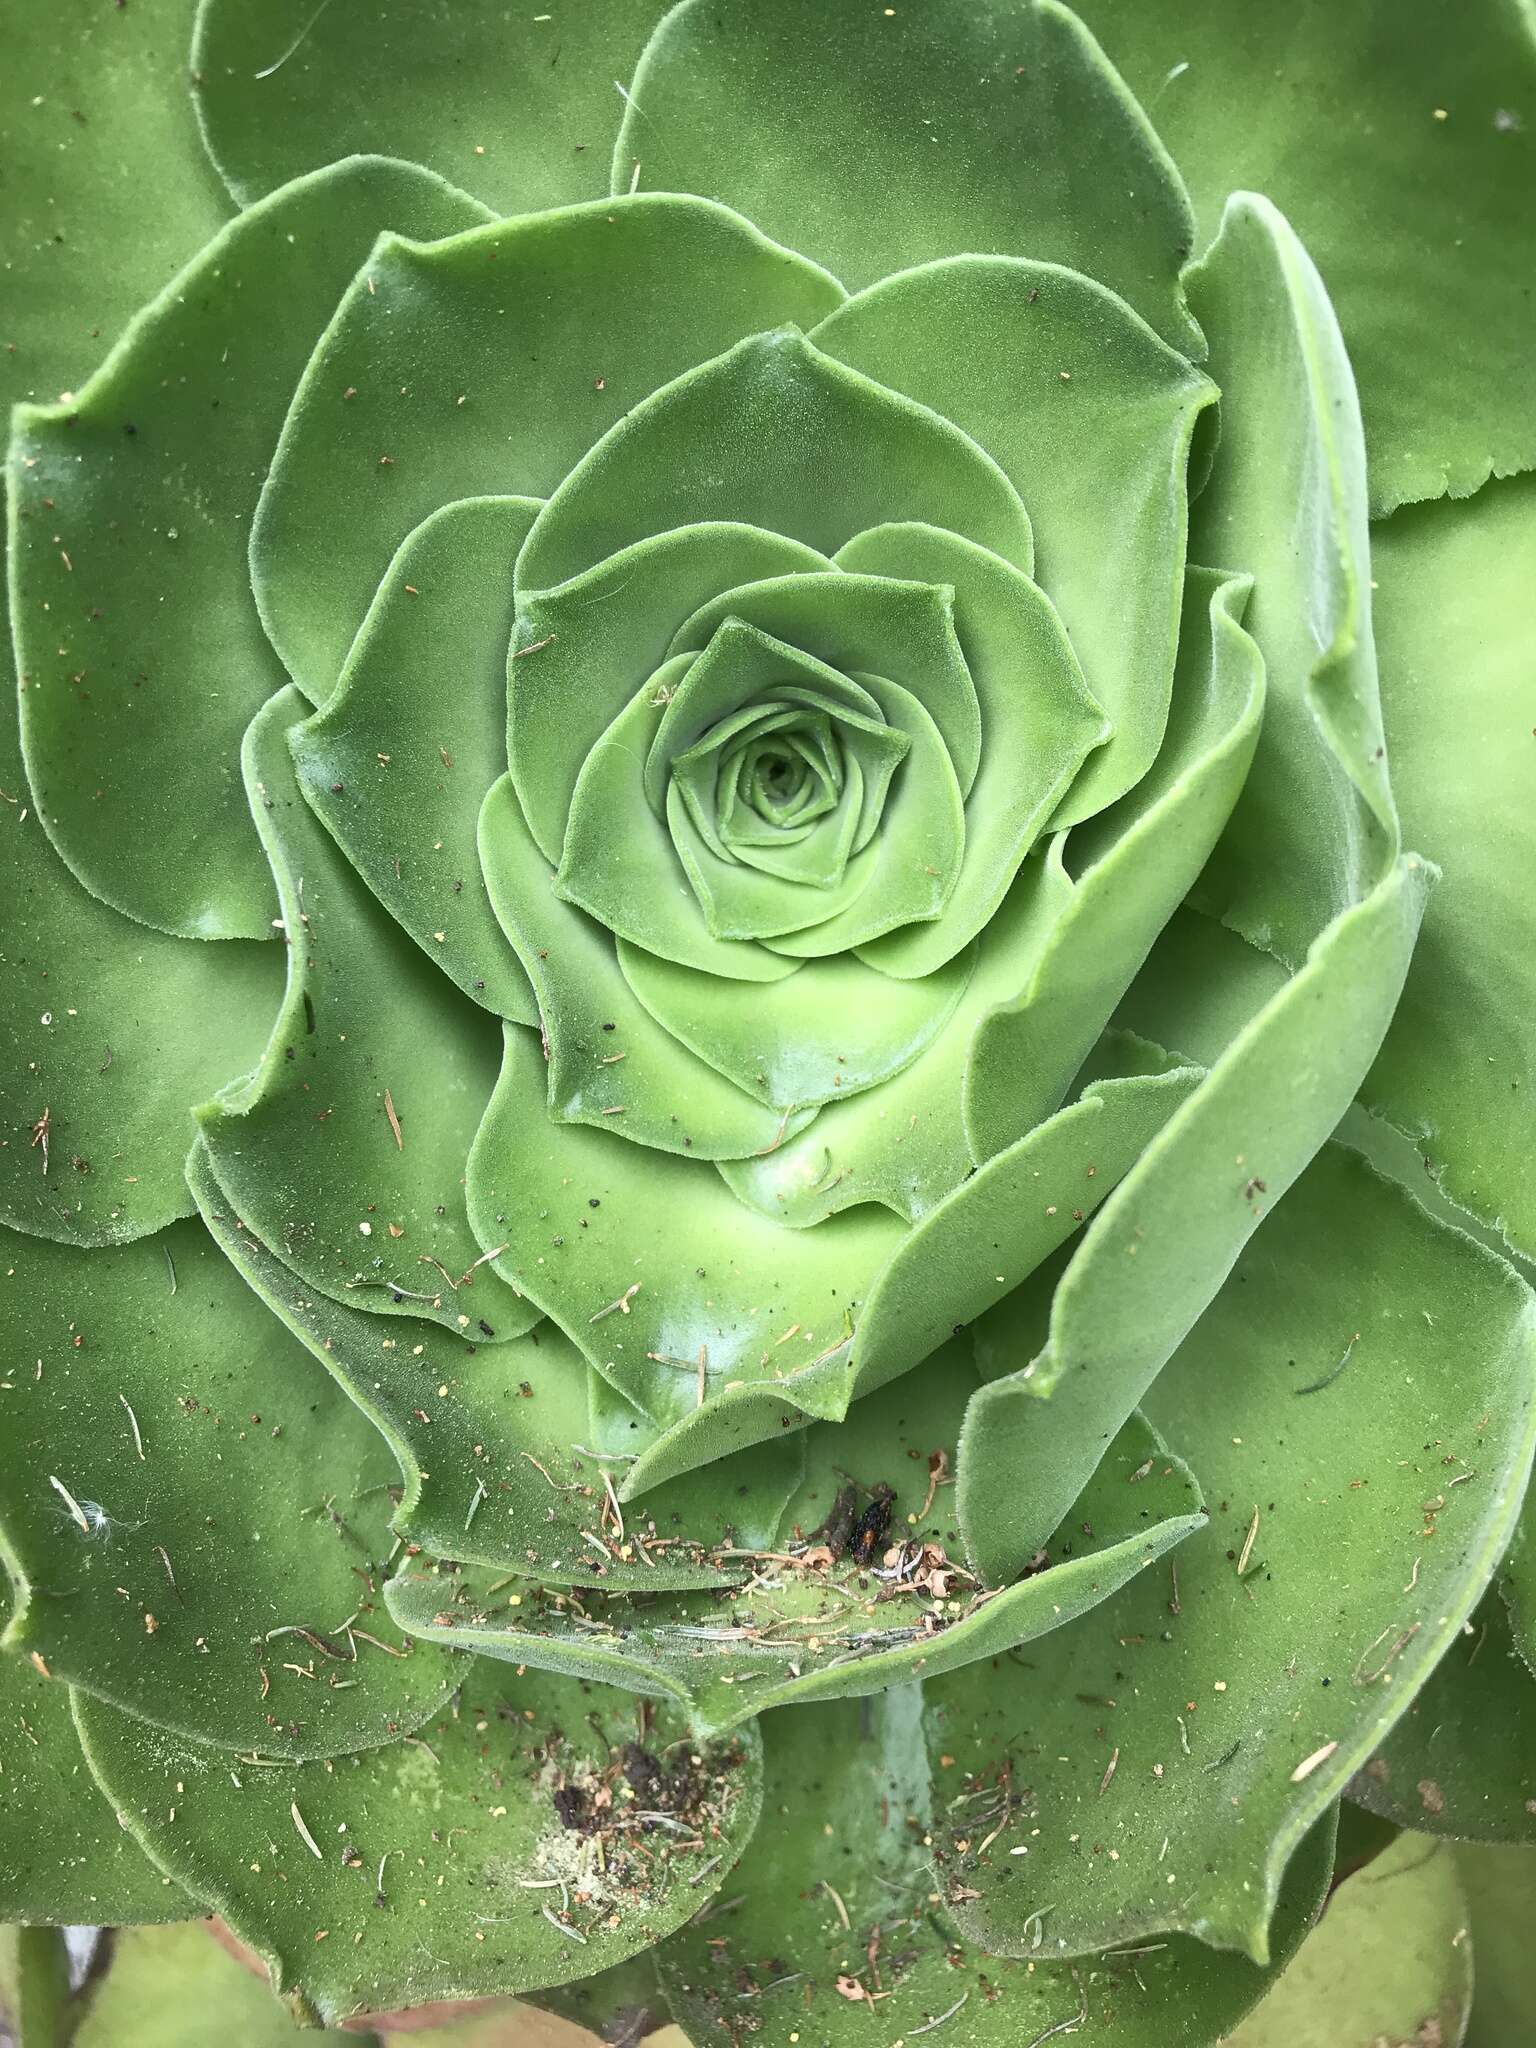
816, 765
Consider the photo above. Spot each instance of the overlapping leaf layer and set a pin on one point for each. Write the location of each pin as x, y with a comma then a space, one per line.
700, 824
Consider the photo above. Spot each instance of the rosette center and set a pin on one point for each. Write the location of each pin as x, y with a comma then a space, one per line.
771, 770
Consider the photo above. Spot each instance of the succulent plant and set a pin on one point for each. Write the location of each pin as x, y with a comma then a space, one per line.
767, 1165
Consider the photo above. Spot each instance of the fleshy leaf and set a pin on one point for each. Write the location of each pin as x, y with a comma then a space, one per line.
1038, 721
1500, 1890
834, 1028
179, 1987
835, 1626
502, 1468
108, 190
488, 365
1406, 157
109, 1033
1458, 647
876, 144
1389, 1961
1314, 829
1200, 988
1134, 865
778, 434
634, 1255
368, 1093
64, 1858
136, 563
1092, 418
1462, 1760
133, 1462
1167, 1238
399, 761
519, 108
991, 1232
608, 1060
832, 1920
905, 1143
245, 1840
1246, 1674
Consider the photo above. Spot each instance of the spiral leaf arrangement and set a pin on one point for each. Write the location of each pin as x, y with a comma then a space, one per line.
720, 749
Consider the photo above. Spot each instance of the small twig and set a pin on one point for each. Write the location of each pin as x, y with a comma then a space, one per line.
929, 2026
1069, 2026
138, 1441
622, 1304
1328, 1378
304, 1835
552, 1917
71, 1503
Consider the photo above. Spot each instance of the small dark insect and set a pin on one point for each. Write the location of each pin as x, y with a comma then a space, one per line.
836, 1532
874, 1525
571, 1805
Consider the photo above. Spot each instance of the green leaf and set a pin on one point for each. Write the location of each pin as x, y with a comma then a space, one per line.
1134, 865
1389, 1961
1314, 830
1283, 1678
400, 791
64, 1858
1402, 148
1200, 987
34, 1976
486, 365
181, 1481
520, 109
904, 1145
1458, 649
621, 2005
368, 1093
296, 1859
838, 1626
1517, 1578
136, 563
1092, 417
639, 1259
1039, 724
772, 413
504, 1468
108, 191
988, 1235
1168, 1236
1462, 1761
109, 1032
1498, 1887
178, 1987
608, 1062
793, 1043
875, 143
830, 1922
